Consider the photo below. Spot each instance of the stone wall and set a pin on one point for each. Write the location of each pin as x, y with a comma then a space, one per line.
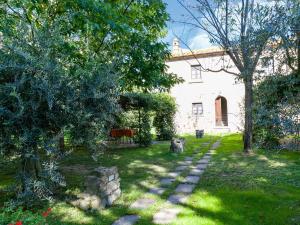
102, 188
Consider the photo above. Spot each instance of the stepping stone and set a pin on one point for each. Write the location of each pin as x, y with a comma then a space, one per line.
188, 158
185, 188
192, 179
166, 181
216, 145
196, 172
178, 198
203, 161
181, 168
165, 216
174, 174
185, 163
206, 157
201, 166
142, 203
157, 191
209, 153
127, 220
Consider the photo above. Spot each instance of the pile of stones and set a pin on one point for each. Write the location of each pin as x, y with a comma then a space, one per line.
102, 188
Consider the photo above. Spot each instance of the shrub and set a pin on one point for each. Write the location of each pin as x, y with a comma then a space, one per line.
23, 217
164, 116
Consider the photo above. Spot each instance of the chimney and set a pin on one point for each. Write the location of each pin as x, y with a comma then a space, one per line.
176, 47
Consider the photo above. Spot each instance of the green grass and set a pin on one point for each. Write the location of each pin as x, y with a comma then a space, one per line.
262, 188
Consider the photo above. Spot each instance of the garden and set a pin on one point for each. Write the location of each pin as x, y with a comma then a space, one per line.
87, 120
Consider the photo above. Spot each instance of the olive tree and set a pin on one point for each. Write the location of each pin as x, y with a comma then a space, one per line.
62, 66
243, 28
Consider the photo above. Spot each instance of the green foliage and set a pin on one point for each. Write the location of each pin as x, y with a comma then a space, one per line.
276, 109
46, 87
165, 109
25, 216
144, 132
161, 106
62, 65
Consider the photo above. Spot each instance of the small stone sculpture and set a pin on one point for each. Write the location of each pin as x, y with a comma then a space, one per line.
177, 145
102, 188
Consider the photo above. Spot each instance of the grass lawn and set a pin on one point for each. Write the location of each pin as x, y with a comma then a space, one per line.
262, 188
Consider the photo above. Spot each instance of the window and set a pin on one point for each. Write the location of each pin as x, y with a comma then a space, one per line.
197, 109
196, 72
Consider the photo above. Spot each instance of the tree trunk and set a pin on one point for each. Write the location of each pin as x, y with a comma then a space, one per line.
31, 169
248, 115
62, 142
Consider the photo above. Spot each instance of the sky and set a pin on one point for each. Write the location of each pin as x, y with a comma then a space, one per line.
193, 37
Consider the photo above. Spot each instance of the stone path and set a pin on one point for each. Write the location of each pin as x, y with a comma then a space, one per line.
181, 193
157, 191
127, 220
142, 203
165, 216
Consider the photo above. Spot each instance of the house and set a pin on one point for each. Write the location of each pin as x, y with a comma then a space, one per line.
212, 101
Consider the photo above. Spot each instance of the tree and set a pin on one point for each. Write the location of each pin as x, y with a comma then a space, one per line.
244, 29
63, 65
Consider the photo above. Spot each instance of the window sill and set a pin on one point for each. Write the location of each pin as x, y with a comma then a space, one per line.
195, 81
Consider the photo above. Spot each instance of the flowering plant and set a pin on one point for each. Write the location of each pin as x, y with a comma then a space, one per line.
24, 217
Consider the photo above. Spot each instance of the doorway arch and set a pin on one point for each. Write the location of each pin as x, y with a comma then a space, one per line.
221, 111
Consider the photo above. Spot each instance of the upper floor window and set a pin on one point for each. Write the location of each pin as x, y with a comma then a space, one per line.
197, 109
196, 72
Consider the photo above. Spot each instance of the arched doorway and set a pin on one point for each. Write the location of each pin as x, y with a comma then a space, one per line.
221, 111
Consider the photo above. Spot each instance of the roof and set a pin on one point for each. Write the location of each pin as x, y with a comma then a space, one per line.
183, 54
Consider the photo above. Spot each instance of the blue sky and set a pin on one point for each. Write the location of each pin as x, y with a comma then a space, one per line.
195, 38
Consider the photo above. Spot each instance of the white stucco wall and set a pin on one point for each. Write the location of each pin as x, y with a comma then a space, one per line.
205, 92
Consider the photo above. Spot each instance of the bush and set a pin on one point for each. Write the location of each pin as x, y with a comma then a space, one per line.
23, 217
276, 110
164, 116
140, 108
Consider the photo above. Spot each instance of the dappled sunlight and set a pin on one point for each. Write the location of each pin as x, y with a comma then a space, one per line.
71, 214
135, 163
157, 169
207, 202
271, 163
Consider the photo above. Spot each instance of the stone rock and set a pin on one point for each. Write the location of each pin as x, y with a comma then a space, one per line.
192, 179
92, 184
177, 145
167, 181
127, 220
95, 202
157, 191
185, 163
181, 168
102, 188
165, 216
188, 158
185, 188
216, 145
201, 166
113, 197
196, 172
203, 161
178, 199
142, 203
174, 174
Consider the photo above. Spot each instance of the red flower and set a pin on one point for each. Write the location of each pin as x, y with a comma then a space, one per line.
45, 214
19, 223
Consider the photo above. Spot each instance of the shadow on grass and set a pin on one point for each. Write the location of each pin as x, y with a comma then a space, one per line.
139, 169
